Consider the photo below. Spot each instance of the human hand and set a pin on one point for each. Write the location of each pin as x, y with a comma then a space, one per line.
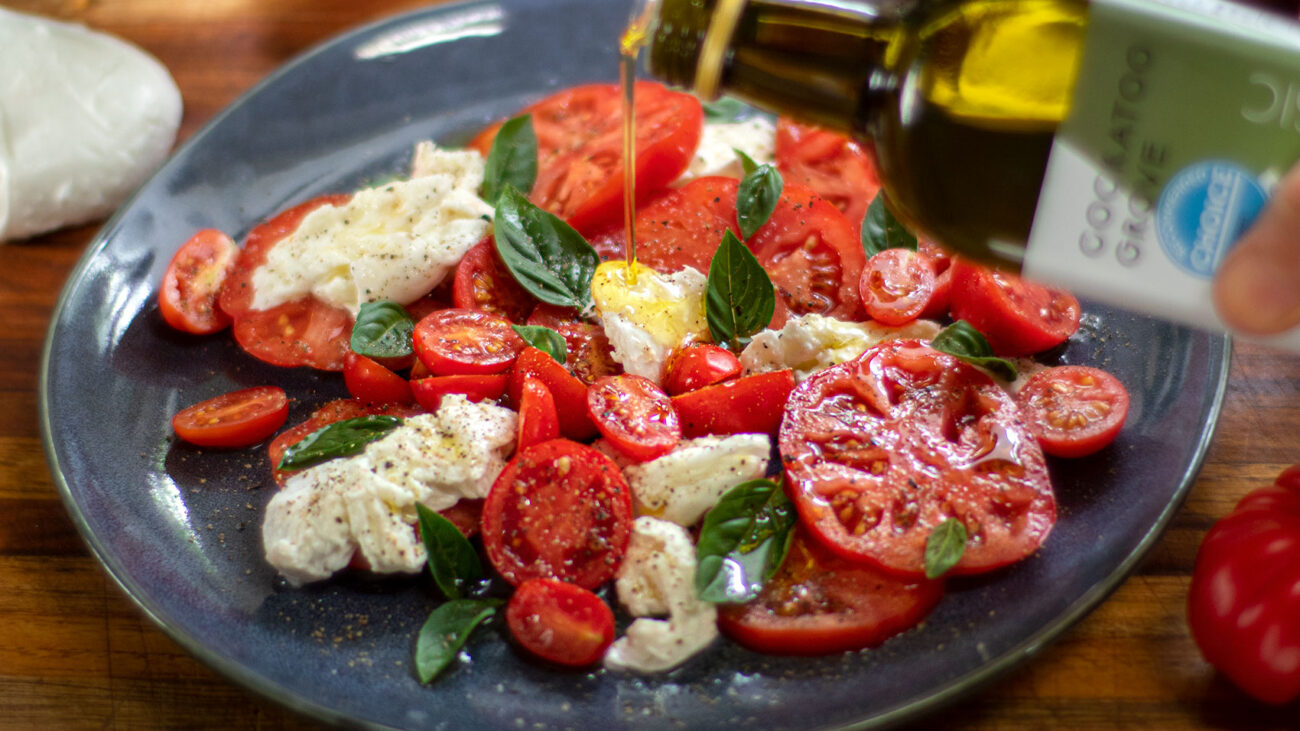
1257, 287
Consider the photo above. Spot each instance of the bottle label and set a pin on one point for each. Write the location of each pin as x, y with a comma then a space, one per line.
1184, 116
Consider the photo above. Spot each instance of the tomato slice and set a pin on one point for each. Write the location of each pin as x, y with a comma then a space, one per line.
460, 342
559, 510
896, 286
941, 299
1017, 317
336, 410
699, 365
369, 380
580, 148
187, 297
538, 420
483, 282
748, 405
569, 393
236, 419
679, 228
430, 391
1072, 410
634, 415
589, 355
834, 166
560, 622
818, 603
466, 515
880, 450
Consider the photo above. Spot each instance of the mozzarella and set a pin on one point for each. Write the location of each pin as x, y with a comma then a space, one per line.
682, 485
393, 242
657, 577
811, 342
646, 320
716, 153
84, 118
367, 502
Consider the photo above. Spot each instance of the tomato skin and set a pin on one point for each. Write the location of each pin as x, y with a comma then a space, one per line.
1073, 411
461, 342
896, 286
560, 622
369, 380
559, 510
538, 420
634, 415
589, 356
235, 419
747, 405
879, 450
1018, 317
679, 228
187, 298
818, 603
1244, 598
430, 391
700, 365
482, 282
569, 393
834, 166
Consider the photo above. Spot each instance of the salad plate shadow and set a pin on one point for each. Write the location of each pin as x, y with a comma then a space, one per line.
179, 527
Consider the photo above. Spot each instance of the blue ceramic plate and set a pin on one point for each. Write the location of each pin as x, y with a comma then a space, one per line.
178, 528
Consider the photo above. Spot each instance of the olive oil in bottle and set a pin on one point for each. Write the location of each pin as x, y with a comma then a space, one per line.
1117, 147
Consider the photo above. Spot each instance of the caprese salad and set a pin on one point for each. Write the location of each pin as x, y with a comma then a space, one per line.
787, 421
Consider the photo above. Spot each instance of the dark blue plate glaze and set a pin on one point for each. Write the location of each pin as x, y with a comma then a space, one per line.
178, 527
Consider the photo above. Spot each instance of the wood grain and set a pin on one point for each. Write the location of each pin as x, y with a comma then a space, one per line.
74, 653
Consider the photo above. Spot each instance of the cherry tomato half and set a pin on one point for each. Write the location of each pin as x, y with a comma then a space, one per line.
896, 286
569, 393
538, 420
560, 622
483, 282
460, 342
1073, 411
699, 365
336, 410
430, 391
634, 415
750, 404
369, 380
187, 298
236, 419
589, 355
1017, 316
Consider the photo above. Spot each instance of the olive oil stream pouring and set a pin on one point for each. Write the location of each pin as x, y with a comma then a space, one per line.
1115, 147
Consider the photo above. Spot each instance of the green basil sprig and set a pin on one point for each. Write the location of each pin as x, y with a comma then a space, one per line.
446, 631
340, 439
544, 339
880, 230
382, 330
757, 195
964, 341
545, 255
740, 298
944, 547
726, 109
451, 558
512, 161
743, 541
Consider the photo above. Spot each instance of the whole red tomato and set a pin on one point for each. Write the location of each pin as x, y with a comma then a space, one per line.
1244, 602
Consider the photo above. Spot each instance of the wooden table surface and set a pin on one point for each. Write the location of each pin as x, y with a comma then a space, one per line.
75, 653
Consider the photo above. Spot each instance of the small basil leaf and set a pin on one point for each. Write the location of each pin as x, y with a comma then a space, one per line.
382, 330
545, 255
340, 439
757, 195
544, 339
740, 298
451, 557
747, 163
964, 341
726, 109
944, 547
512, 160
880, 230
445, 632
743, 541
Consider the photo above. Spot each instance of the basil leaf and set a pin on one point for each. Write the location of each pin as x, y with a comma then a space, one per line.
545, 255
726, 109
544, 339
743, 541
445, 632
757, 195
382, 330
512, 160
880, 230
747, 163
944, 547
451, 557
964, 341
740, 298
340, 439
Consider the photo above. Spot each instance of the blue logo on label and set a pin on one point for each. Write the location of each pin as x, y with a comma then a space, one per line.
1203, 210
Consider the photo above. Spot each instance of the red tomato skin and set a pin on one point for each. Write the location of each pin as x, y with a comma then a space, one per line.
1244, 598
834, 166
187, 298
538, 420
482, 282
896, 286
560, 622
369, 380
559, 510
430, 391
235, 419
700, 365
589, 355
461, 342
750, 404
569, 393
679, 228
1017, 317
1073, 411
634, 415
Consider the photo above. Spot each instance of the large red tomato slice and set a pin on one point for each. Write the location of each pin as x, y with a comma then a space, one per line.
580, 148
679, 228
880, 450
833, 165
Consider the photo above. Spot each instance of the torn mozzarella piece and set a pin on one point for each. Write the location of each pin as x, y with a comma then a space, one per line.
716, 153
647, 320
809, 343
682, 485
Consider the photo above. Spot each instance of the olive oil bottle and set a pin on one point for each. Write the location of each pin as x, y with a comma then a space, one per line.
1117, 147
